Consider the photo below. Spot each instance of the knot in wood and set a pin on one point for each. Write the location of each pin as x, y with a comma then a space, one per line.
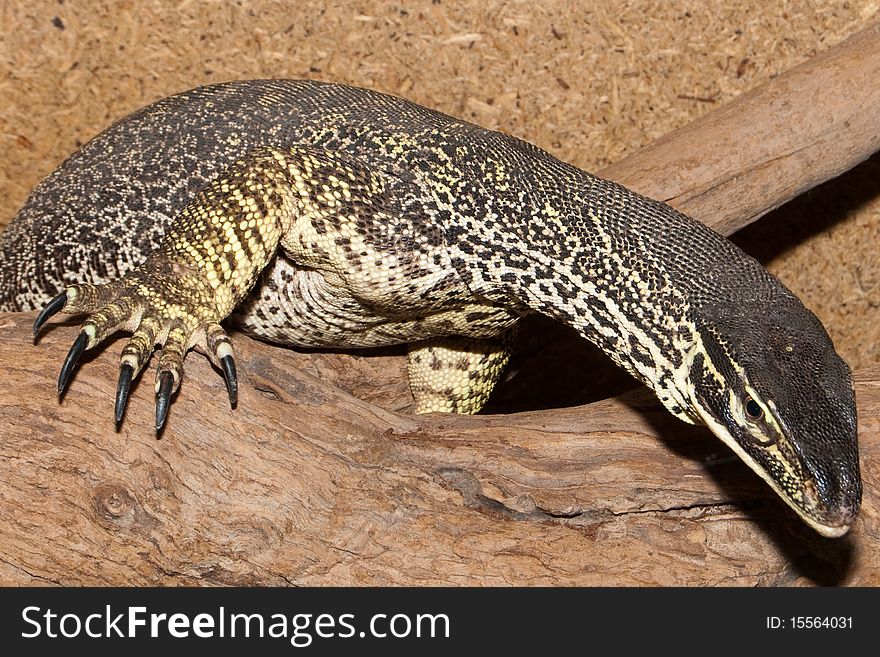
114, 502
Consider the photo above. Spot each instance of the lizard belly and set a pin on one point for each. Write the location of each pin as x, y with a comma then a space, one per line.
303, 307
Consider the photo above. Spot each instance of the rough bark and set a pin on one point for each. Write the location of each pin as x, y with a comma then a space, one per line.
320, 476
305, 483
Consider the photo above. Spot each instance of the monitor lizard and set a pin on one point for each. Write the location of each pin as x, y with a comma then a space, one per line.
322, 215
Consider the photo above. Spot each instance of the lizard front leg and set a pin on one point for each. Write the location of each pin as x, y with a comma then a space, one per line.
206, 264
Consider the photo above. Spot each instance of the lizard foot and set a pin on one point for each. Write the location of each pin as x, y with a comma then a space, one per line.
163, 304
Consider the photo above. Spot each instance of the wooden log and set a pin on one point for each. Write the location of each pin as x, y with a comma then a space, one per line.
321, 477
307, 484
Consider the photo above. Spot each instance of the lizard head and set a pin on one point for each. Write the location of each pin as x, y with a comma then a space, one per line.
767, 381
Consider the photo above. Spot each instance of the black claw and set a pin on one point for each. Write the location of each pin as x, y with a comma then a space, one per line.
126, 371
70, 362
163, 398
48, 310
228, 365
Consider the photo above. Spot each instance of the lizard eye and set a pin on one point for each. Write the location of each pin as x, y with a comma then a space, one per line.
753, 409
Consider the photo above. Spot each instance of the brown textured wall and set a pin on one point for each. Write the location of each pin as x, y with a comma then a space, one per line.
588, 81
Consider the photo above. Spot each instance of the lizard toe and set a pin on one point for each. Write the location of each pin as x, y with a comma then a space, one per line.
169, 371
219, 350
52, 308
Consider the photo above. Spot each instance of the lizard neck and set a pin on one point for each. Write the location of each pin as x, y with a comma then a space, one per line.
630, 274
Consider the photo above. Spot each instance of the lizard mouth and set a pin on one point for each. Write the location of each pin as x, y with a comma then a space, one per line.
830, 521
829, 518
831, 525
829, 531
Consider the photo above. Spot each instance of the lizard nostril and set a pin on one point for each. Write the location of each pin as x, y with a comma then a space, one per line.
811, 497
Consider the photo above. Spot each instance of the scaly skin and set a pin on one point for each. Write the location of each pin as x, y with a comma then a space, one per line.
322, 215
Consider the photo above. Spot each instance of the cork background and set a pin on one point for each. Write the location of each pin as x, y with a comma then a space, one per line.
589, 81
